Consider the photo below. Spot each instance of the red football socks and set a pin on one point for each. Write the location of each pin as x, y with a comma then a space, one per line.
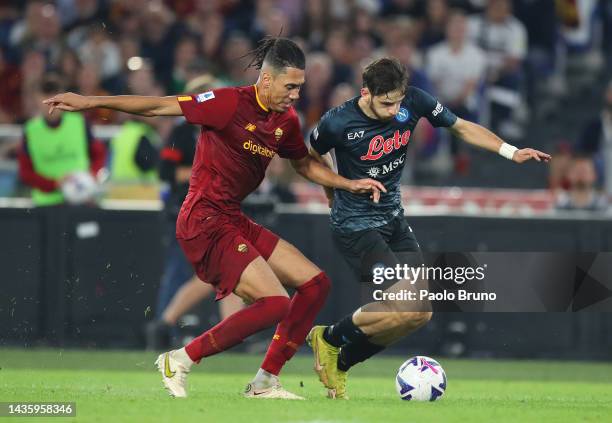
292, 330
262, 314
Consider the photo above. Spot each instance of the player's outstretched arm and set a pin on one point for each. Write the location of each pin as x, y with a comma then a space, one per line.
138, 105
325, 160
314, 171
480, 136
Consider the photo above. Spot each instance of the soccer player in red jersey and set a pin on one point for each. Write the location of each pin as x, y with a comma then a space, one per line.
242, 129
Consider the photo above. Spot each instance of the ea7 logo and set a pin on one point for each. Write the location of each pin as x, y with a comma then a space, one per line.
438, 109
355, 135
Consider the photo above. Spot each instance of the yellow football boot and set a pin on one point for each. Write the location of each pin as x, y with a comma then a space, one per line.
325, 357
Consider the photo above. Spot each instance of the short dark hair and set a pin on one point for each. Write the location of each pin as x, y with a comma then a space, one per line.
385, 75
279, 53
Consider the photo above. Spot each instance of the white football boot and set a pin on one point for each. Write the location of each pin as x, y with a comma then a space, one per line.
275, 391
174, 373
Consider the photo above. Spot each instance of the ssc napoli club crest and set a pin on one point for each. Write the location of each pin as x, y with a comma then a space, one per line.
402, 115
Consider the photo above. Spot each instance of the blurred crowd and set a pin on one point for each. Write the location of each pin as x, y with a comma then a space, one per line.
491, 61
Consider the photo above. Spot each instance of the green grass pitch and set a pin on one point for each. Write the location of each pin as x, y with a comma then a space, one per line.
117, 386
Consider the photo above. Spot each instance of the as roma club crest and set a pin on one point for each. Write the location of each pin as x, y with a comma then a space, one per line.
278, 134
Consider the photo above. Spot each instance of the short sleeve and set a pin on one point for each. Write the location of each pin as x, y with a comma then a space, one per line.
322, 138
292, 147
213, 109
431, 109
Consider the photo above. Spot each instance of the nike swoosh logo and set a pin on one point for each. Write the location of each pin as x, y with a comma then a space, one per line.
167, 372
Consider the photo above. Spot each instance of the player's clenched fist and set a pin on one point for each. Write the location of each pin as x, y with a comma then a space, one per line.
70, 102
362, 186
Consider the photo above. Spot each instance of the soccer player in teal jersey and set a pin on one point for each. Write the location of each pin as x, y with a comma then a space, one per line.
370, 135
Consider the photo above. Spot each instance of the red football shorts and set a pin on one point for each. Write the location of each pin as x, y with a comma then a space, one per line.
224, 246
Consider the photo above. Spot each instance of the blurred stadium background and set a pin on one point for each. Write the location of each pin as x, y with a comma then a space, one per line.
88, 276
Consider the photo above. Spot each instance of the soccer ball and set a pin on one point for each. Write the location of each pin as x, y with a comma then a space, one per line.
79, 188
421, 379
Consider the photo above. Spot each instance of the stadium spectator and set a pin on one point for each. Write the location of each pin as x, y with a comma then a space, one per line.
607, 35
596, 139
559, 167
55, 146
406, 52
413, 8
364, 21
539, 18
435, 23
134, 157
88, 81
338, 48
160, 33
580, 58
457, 69
10, 90
233, 72
68, 68
211, 40
504, 39
582, 193
33, 68
23, 29
186, 52
314, 99
9, 14
81, 13
128, 49
102, 52
315, 24
340, 94
269, 19
43, 32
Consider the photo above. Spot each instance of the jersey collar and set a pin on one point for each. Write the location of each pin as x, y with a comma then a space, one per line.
258, 100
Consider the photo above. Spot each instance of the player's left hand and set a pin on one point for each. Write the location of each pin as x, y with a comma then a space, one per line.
362, 186
525, 154
69, 102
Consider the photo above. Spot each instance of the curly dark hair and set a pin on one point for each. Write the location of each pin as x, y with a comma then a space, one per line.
385, 75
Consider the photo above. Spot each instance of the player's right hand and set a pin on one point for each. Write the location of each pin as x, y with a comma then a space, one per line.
69, 102
362, 186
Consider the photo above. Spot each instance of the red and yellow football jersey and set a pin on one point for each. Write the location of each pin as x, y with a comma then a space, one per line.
239, 138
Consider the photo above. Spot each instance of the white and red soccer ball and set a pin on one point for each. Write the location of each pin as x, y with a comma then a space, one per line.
420, 379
